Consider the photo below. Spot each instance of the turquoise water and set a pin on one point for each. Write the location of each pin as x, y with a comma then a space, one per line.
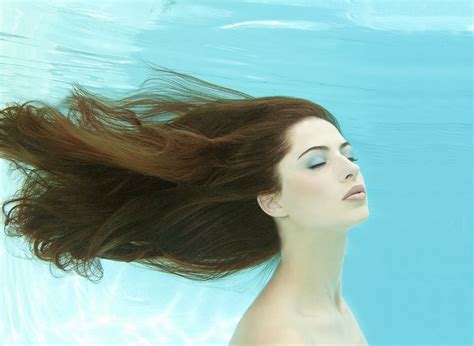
398, 76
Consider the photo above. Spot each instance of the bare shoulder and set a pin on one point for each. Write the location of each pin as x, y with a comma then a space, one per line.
255, 329
268, 335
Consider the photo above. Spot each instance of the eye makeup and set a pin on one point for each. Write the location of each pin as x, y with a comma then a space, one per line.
323, 163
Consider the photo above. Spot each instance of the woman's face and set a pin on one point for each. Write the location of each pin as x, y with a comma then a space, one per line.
313, 197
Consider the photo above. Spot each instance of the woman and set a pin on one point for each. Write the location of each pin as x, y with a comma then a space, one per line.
187, 181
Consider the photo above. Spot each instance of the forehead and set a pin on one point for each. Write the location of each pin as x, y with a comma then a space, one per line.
314, 131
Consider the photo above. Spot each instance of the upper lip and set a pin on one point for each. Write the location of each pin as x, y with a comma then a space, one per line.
355, 189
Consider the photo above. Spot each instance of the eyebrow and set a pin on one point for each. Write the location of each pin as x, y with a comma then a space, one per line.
323, 147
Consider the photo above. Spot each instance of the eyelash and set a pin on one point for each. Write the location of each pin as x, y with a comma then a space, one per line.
321, 164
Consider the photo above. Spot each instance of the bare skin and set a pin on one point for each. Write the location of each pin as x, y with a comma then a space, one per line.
264, 317
313, 223
275, 307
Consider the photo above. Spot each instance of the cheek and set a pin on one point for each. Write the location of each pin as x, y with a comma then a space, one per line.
306, 200
304, 189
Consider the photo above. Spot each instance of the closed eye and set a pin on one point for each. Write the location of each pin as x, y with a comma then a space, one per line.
322, 164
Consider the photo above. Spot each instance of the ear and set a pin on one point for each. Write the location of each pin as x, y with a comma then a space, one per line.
270, 204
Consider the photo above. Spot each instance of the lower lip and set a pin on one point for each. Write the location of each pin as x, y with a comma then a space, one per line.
356, 197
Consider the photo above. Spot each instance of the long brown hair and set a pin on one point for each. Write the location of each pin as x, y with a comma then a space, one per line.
167, 177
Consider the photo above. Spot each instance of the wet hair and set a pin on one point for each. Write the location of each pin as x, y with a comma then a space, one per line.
166, 177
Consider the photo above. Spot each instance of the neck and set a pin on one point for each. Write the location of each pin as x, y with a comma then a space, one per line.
310, 269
